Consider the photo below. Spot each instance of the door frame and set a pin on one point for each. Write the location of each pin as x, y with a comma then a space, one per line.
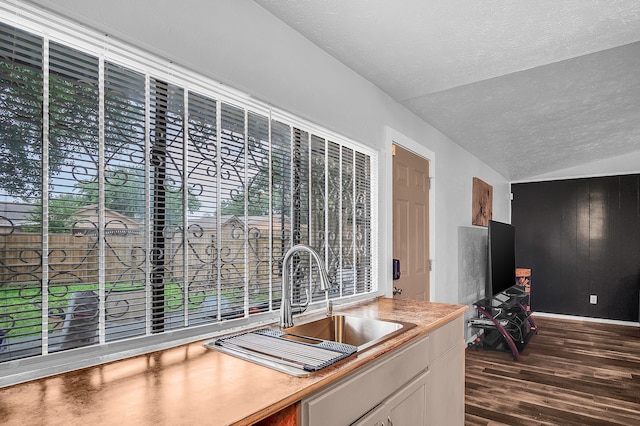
392, 137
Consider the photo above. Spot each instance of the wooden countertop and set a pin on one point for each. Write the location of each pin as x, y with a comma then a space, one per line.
190, 384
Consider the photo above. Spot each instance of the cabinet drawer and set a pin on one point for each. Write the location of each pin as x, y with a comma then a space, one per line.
349, 399
445, 338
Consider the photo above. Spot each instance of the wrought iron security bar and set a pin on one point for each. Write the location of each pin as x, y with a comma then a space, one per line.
132, 204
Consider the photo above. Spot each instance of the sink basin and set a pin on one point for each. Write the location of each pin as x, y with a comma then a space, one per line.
360, 332
310, 346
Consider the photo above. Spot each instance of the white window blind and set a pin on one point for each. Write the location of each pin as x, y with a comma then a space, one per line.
21, 129
133, 203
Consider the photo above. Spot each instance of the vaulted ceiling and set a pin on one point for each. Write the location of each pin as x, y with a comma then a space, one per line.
528, 87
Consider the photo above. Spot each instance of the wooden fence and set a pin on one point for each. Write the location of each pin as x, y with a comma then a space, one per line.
74, 259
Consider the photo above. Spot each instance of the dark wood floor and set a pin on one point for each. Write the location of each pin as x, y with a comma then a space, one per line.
571, 373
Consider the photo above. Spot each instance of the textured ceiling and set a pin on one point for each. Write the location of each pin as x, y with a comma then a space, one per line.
529, 87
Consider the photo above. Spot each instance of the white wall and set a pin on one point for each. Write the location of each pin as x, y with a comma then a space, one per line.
238, 43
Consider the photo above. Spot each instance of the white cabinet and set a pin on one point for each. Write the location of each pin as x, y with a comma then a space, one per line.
421, 383
347, 400
445, 389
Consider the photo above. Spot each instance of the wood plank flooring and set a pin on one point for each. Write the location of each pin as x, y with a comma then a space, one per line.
570, 373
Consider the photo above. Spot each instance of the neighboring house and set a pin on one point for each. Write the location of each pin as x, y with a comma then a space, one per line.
257, 225
13, 216
86, 220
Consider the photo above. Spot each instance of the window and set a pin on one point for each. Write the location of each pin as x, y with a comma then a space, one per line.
134, 203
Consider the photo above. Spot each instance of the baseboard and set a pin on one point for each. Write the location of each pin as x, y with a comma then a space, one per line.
590, 319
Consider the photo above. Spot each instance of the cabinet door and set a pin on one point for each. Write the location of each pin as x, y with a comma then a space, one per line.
407, 407
445, 400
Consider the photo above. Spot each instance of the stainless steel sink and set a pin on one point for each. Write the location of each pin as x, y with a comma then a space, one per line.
356, 331
310, 346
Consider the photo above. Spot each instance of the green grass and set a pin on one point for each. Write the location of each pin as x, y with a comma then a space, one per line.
20, 304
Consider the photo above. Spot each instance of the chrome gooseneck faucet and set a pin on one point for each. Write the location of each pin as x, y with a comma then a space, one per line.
286, 312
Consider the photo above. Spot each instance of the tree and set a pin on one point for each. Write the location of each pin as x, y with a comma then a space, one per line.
61, 215
124, 193
258, 186
73, 113
21, 130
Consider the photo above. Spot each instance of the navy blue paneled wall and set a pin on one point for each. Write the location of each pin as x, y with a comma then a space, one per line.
581, 237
